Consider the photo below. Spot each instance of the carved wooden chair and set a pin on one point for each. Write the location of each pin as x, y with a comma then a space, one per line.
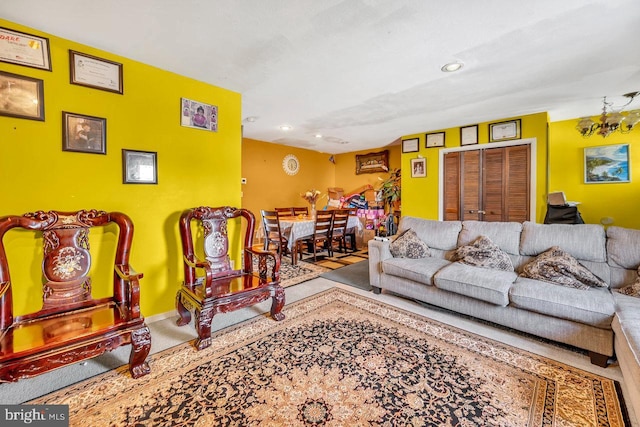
273, 233
321, 236
219, 288
71, 326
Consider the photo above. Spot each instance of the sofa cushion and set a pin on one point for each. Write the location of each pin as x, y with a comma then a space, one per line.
408, 245
441, 235
559, 267
482, 252
487, 285
623, 247
418, 270
593, 306
583, 241
504, 234
632, 289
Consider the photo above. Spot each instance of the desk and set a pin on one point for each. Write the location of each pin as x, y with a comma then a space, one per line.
294, 228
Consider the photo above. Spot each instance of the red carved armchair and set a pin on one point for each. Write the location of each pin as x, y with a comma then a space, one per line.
211, 285
71, 326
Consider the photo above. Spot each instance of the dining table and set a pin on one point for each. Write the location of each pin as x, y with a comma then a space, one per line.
297, 227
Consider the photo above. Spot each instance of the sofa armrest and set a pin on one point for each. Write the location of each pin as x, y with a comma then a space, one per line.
378, 252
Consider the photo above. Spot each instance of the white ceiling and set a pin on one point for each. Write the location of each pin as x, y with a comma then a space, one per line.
364, 72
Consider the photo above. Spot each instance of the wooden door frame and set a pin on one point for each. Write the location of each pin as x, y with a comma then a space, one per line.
532, 178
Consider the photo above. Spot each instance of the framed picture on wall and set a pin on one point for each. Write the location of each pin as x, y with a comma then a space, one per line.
607, 164
419, 167
24, 49
91, 71
22, 97
435, 139
139, 167
372, 162
198, 115
504, 131
469, 135
86, 134
410, 145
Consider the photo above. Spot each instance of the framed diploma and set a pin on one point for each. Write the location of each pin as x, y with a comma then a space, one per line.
435, 139
410, 145
469, 135
503, 131
24, 49
98, 73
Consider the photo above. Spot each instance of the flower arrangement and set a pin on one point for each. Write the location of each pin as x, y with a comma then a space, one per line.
311, 196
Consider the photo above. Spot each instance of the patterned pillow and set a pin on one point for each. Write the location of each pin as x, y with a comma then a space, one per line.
482, 252
633, 289
559, 267
409, 245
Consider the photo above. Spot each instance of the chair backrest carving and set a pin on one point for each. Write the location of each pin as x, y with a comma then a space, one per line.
216, 240
66, 259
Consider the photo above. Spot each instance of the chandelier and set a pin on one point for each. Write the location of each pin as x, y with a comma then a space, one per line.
612, 119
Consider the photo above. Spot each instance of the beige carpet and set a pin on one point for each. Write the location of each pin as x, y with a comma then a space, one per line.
341, 359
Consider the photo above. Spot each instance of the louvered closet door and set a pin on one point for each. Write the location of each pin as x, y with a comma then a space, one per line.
489, 184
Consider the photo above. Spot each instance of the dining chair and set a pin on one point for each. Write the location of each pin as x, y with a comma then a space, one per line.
350, 232
284, 211
272, 232
300, 210
321, 235
339, 228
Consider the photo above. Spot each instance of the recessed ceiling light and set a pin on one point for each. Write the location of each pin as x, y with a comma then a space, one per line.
286, 127
451, 67
251, 119
317, 135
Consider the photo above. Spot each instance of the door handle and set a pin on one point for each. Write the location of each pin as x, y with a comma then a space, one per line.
476, 211
482, 212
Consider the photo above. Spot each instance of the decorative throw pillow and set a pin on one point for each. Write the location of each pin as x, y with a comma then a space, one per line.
409, 245
633, 289
482, 252
559, 267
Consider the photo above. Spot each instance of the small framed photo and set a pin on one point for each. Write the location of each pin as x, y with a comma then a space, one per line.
607, 164
469, 135
86, 134
139, 167
22, 97
418, 167
24, 49
435, 139
504, 131
198, 115
94, 72
410, 145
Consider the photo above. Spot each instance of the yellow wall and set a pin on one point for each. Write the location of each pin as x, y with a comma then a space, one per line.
268, 186
618, 201
195, 167
420, 195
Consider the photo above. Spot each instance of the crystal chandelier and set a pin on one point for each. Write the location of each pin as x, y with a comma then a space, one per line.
611, 120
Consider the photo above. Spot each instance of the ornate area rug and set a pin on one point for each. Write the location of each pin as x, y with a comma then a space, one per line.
340, 359
292, 275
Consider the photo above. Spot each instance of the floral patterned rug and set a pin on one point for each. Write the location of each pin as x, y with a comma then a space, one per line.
292, 275
340, 359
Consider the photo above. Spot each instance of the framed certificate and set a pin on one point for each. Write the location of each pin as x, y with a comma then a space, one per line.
98, 73
24, 49
435, 139
410, 145
469, 135
503, 131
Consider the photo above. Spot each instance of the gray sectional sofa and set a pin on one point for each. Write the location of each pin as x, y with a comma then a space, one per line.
599, 320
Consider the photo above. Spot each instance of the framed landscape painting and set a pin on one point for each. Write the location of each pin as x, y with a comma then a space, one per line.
607, 164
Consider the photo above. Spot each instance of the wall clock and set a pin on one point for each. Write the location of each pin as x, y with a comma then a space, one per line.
290, 164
